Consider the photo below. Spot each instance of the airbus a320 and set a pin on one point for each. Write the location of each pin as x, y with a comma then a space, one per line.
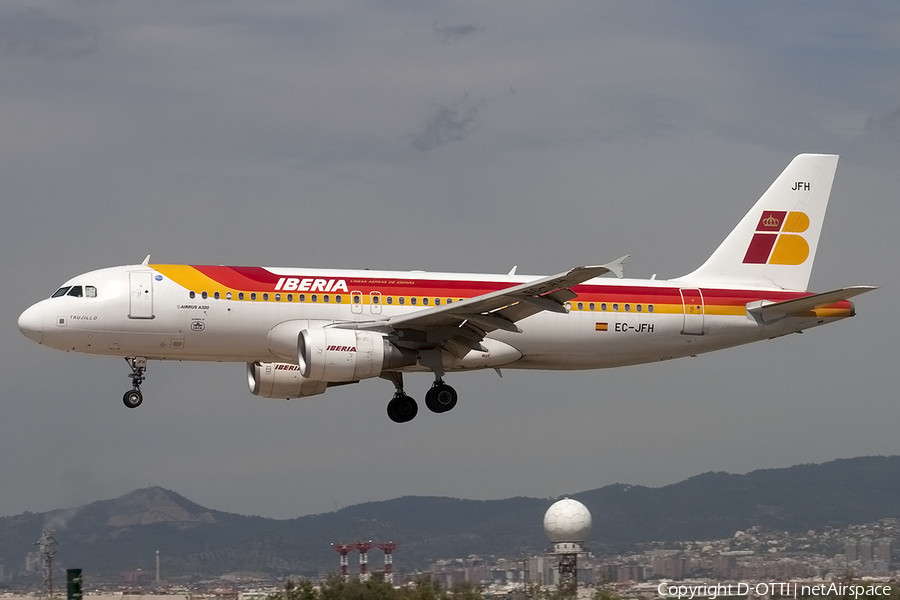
301, 331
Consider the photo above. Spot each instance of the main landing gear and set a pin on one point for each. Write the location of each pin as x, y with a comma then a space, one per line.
441, 397
133, 397
402, 408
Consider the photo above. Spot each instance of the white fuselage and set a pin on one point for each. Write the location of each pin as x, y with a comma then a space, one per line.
142, 310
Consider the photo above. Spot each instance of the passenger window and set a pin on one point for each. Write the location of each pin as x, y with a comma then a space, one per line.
325, 298
314, 298
412, 300
437, 301
228, 295
90, 291
616, 306
60, 292
216, 295
356, 299
449, 300
302, 297
639, 308
375, 299
603, 306
193, 295
75, 291
277, 297
337, 298
240, 295
253, 295
290, 297
591, 306
390, 300
402, 300
627, 308
650, 308
425, 301
266, 296
204, 295
580, 306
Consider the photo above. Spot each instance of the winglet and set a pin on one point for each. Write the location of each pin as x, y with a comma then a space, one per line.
617, 267
146, 261
513, 270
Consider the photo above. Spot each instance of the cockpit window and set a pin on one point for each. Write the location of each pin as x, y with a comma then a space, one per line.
90, 291
60, 292
76, 291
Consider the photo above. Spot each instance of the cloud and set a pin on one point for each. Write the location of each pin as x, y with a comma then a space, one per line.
886, 125
32, 33
59, 519
447, 123
451, 34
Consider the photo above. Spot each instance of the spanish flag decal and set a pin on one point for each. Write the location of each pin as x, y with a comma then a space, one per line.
601, 327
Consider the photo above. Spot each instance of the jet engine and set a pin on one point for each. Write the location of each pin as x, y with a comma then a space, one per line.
338, 355
281, 380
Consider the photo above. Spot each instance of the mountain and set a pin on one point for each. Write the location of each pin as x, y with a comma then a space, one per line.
110, 536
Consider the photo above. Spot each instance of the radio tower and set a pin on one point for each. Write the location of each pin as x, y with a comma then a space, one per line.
48, 547
388, 549
344, 550
364, 548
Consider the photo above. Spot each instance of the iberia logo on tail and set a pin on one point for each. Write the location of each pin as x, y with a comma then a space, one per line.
776, 241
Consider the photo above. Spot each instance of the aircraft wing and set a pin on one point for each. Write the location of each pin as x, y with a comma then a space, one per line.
771, 311
459, 327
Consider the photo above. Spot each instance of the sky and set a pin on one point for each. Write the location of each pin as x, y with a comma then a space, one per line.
442, 136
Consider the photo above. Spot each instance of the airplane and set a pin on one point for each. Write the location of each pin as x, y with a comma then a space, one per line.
301, 331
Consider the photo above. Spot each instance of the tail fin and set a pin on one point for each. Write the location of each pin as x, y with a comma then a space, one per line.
775, 243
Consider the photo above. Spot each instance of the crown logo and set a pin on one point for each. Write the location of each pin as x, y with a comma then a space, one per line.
771, 221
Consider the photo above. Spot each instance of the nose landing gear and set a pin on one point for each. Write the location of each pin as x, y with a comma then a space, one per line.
133, 398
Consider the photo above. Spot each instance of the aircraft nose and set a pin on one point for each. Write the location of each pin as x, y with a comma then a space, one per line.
31, 323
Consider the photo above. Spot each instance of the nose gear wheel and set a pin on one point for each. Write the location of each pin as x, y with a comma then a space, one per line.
133, 398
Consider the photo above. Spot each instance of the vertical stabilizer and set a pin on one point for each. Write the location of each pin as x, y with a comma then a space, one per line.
775, 243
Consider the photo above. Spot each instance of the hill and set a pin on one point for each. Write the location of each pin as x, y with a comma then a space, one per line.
110, 536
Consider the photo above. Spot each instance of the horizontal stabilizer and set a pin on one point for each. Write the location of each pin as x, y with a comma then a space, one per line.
772, 311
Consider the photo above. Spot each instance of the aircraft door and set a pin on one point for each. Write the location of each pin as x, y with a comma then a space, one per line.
692, 301
141, 295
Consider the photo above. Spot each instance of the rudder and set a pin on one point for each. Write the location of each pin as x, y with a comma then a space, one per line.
774, 245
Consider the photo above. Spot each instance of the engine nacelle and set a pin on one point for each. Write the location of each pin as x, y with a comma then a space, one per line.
339, 355
281, 380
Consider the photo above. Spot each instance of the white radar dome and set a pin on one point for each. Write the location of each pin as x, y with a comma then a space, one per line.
567, 521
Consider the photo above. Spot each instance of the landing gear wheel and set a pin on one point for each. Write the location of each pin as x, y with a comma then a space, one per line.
133, 398
440, 398
402, 409
138, 364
